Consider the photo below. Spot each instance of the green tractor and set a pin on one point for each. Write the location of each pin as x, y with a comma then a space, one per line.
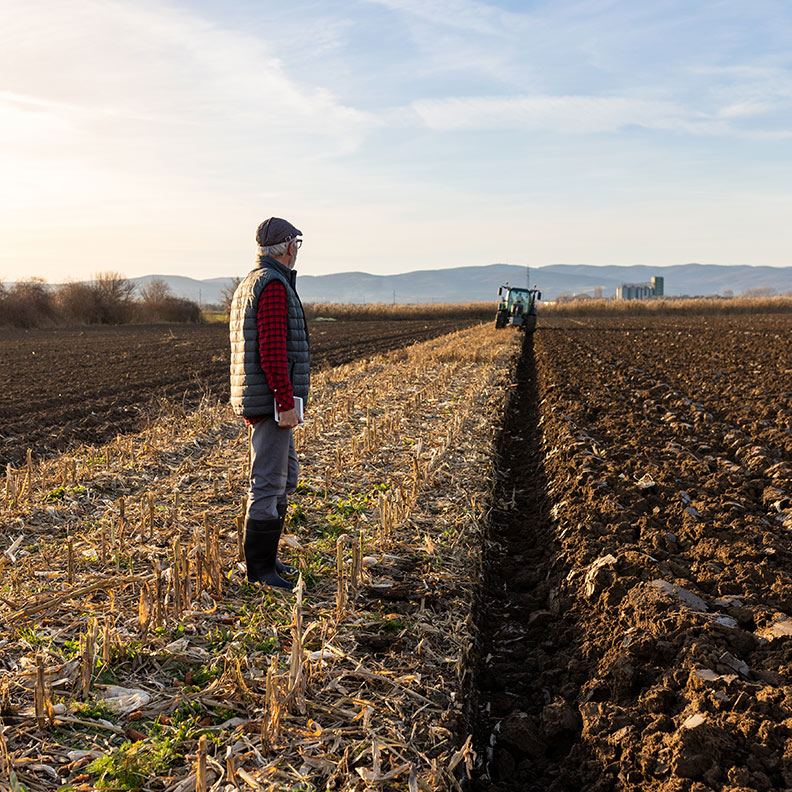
517, 307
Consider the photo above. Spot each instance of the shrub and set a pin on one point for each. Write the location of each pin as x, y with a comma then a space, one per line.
158, 304
114, 296
28, 303
78, 303
107, 299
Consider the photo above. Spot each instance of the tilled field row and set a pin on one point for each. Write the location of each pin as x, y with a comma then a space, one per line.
738, 370
85, 385
643, 638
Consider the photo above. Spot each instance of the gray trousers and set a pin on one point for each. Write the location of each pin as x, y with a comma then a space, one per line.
273, 469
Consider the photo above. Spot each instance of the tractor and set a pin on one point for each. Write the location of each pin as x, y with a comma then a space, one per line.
517, 307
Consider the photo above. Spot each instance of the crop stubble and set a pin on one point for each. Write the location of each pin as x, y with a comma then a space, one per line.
86, 385
354, 684
642, 522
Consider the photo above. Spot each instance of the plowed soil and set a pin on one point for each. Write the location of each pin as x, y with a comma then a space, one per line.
636, 614
62, 387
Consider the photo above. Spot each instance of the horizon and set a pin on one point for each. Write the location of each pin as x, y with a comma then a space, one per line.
157, 275
156, 135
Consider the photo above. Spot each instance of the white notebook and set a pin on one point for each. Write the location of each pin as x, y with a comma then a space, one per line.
298, 405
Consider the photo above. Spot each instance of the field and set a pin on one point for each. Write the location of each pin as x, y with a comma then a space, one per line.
92, 383
643, 526
553, 565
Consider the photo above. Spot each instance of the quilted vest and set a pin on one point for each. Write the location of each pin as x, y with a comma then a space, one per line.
251, 396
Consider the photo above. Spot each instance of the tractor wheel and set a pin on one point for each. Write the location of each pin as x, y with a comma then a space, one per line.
501, 318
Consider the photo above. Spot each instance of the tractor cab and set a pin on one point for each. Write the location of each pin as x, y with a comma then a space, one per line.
517, 307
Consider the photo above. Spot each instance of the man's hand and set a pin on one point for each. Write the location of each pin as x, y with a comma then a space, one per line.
288, 419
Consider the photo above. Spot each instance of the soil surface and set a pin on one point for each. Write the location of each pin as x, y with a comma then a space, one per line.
636, 613
63, 387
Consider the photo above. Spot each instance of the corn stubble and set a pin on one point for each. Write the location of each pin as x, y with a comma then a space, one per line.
122, 568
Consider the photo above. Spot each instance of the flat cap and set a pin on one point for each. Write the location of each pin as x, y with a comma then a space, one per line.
275, 230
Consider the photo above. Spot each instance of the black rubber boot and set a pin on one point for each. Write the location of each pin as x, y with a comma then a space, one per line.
280, 567
261, 552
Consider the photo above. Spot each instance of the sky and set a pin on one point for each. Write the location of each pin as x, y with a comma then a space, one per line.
150, 137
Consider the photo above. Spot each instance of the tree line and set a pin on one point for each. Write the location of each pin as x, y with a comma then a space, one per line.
107, 299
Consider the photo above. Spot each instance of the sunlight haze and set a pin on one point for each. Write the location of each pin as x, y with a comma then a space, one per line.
154, 136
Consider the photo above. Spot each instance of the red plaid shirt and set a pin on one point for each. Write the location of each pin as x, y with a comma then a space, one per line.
271, 319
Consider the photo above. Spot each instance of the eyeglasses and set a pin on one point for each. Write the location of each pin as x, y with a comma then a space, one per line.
298, 243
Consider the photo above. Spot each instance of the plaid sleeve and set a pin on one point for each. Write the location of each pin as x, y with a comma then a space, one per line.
271, 320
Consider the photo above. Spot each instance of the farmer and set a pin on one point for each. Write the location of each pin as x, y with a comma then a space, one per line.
269, 366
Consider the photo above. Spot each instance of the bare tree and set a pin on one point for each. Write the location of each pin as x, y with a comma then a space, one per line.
227, 295
114, 297
113, 286
759, 291
155, 291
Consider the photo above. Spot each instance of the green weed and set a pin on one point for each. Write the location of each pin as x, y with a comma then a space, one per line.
394, 624
134, 763
257, 644
333, 526
354, 504
220, 637
33, 639
56, 494
71, 648
222, 714
203, 675
95, 709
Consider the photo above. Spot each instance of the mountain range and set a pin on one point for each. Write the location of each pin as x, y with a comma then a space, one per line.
466, 284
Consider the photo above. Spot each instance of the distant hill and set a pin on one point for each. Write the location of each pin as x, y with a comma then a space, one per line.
465, 284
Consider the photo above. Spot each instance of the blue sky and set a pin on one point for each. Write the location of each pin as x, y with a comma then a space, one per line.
153, 137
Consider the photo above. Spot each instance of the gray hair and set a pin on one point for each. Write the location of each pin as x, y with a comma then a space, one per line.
275, 250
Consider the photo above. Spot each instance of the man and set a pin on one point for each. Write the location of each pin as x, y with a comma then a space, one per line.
270, 361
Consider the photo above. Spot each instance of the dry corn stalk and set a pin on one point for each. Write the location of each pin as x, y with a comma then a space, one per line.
200, 765
27, 485
144, 609
106, 643
10, 487
89, 656
270, 724
40, 694
341, 591
70, 561
240, 537
296, 663
356, 570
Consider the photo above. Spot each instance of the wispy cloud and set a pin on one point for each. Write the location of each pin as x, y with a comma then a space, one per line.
571, 115
152, 128
146, 62
468, 15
